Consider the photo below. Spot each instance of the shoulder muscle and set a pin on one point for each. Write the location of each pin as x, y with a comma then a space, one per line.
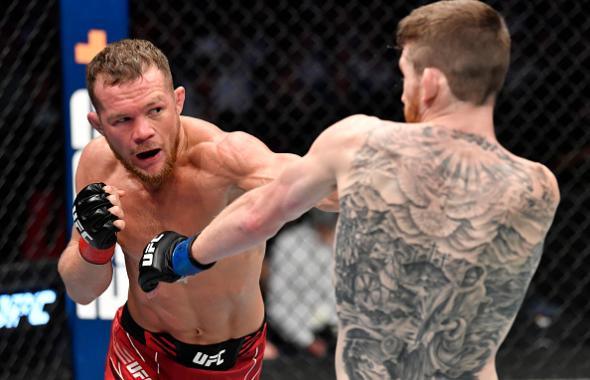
337, 143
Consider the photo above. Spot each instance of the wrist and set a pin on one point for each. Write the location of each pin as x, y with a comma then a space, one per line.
183, 262
94, 255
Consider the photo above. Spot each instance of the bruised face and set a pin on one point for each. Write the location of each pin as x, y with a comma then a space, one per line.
411, 91
141, 123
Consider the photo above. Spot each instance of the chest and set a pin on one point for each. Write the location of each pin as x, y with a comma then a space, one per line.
187, 207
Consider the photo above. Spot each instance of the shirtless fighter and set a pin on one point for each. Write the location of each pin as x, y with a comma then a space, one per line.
441, 228
164, 171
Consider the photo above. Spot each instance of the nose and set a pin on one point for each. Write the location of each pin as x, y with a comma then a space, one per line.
142, 131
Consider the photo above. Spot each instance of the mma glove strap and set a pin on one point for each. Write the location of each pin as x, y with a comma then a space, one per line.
167, 258
94, 255
183, 263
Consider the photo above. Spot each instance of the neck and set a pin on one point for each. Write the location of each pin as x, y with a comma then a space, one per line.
466, 118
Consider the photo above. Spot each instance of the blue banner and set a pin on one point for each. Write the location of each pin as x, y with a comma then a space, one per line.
86, 27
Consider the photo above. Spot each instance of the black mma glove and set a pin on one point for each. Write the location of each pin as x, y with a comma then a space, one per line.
167, 258
95, 224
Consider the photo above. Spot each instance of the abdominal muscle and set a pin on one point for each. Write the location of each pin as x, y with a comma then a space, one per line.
219, 304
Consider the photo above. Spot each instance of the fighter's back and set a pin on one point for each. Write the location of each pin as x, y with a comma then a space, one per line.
440, 233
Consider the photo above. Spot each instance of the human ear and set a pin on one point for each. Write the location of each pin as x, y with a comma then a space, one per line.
430, 84
94, 120
179, 94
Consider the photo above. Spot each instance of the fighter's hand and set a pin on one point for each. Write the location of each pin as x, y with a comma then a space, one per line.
167, 258
98, 217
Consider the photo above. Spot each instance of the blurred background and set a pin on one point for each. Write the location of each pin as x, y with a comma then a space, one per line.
283, 71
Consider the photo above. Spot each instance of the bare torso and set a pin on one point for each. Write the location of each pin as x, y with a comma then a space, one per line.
440, 233
222, 303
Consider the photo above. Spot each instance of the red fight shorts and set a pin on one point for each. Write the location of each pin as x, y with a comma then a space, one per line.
135, 353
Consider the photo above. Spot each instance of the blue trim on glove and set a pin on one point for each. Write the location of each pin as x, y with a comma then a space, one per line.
183, 263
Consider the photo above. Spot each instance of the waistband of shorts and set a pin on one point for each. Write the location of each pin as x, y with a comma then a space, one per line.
213, 357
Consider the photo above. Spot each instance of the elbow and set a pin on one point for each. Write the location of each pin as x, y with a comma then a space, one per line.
80, 299
259, 226
267, 214
83, 296
79, 295
77, 292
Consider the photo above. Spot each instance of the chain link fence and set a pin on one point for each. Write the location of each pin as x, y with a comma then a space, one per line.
286, 70
283, 71
33, 335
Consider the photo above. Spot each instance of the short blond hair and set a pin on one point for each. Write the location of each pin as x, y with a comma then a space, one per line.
125, 61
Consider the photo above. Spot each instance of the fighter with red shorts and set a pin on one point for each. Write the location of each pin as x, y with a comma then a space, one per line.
153, 169
135, 353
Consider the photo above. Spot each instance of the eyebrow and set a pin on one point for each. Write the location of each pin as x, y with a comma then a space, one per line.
114, 117
157, 99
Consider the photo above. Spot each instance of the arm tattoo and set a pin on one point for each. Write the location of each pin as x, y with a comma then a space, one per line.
440, 233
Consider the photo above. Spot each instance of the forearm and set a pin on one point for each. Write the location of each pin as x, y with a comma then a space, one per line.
84, 281
260, 213
250, 220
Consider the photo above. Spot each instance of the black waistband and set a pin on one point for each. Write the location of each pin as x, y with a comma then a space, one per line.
213, 357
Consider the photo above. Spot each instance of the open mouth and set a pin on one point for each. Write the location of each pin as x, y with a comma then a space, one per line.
147, 154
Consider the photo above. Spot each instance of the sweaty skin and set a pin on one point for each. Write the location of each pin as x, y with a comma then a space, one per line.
212, 169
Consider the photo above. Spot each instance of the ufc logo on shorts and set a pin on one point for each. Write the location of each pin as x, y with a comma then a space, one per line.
206, 360
137, 372
148, 254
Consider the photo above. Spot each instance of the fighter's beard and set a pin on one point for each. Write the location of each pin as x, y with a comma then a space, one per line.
152, 180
